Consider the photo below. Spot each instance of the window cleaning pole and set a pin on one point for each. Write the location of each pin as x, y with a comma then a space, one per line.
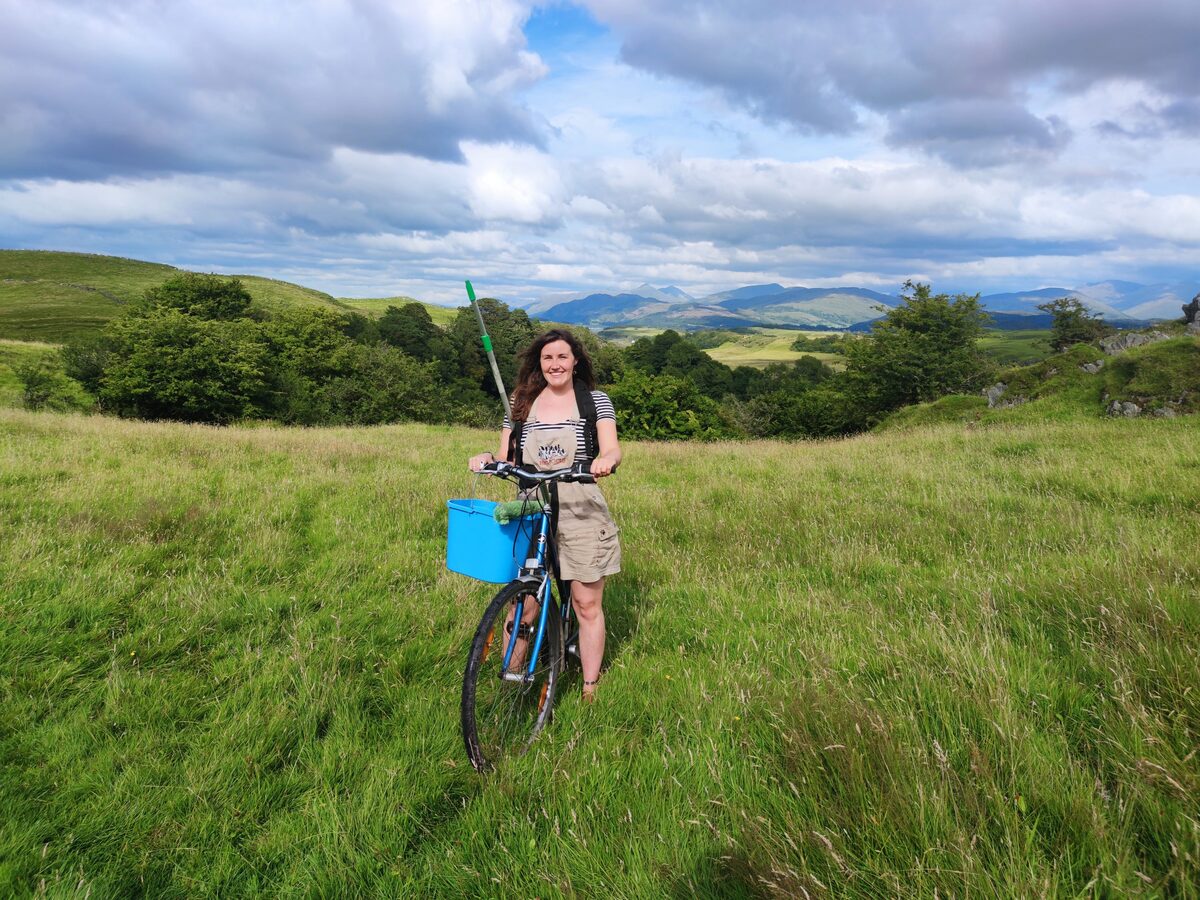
487, 346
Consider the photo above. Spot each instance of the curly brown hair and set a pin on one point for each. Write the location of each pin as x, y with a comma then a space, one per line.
531, 381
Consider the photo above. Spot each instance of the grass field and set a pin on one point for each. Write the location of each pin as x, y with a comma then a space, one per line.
758, 348
1012, 348
763, 346
944, 661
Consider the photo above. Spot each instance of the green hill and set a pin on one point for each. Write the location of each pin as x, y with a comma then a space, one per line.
1159, 379
936, 662
52, 296
377, 306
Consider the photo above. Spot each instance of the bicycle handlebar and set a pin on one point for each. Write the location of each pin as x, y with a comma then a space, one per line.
579, 472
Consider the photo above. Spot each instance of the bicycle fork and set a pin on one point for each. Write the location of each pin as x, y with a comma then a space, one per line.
534, 565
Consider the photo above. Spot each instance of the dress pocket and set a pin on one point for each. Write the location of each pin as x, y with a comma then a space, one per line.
607, 544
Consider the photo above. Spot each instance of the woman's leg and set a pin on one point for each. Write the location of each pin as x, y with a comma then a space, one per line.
529, 614
587, 599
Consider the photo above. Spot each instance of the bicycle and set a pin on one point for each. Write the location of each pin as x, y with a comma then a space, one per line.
509, 687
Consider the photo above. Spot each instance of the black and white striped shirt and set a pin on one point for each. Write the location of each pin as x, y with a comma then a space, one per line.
604, 410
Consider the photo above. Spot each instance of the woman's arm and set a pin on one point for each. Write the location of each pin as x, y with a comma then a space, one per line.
610, 449
479, 460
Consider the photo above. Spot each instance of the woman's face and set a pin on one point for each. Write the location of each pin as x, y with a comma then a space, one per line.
558, 363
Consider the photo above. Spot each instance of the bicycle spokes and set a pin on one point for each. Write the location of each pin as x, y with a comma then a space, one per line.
505, 706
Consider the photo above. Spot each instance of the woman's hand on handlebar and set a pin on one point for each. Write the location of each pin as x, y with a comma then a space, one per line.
479, 460
603, 465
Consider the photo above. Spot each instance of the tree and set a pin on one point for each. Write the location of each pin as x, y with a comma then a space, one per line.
203, 296
663, 407
188, 351
1073, 323
383, 385
85, 358
921, 350
511, 331
685, 360
308, 348
170, 365
411, 329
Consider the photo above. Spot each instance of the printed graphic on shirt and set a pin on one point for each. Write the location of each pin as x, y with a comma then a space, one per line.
552, 455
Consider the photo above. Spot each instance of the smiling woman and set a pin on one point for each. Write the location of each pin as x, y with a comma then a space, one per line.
560, 419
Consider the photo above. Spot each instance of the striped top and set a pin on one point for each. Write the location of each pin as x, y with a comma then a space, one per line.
604, 410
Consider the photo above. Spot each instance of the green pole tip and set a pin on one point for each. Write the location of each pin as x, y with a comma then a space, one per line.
470, 292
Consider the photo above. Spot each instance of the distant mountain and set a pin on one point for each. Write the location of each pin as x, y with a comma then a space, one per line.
605, 309
671, 294
753, 290
677, 292
769, 304
812, 307
1028, 302
1158, 301
1122, 303
1111, 292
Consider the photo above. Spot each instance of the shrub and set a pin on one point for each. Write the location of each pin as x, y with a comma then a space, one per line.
1073, 323
663, 407
45, 386
170, 365
921, 350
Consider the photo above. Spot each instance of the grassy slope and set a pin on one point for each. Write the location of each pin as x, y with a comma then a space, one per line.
377, 306
947, 659
1010, 348
1158, 377
51, 296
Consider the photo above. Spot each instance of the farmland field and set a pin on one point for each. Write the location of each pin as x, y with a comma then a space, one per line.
758, 347
952, 661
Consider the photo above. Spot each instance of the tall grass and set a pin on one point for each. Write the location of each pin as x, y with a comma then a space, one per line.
944, 661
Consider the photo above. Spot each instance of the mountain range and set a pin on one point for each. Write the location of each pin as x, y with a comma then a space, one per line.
1119, 302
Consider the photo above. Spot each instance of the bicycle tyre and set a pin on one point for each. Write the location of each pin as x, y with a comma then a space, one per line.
501, 718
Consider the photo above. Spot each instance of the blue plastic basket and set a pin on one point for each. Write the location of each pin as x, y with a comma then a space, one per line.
480, 547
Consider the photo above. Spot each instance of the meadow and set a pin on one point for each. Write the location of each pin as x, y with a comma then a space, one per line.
763, 346
950, 660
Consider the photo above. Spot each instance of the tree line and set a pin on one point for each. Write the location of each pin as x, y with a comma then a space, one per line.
197, 349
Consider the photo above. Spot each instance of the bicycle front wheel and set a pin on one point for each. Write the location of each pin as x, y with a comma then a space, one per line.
503, 710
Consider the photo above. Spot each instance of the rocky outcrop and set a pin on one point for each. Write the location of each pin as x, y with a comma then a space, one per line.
995, 397
1124, 408
1093, 367
1191, 312
1194, 328
1127, 340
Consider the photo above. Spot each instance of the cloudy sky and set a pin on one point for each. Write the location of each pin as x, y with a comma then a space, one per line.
381, 147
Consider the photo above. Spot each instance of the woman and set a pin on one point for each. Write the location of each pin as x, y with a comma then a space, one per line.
552, 437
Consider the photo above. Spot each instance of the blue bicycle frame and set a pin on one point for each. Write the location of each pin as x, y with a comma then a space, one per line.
536, 555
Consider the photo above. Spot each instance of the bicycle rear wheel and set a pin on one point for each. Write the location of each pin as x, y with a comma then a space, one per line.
501, 717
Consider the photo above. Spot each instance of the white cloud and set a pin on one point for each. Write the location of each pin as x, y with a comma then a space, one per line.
517, 184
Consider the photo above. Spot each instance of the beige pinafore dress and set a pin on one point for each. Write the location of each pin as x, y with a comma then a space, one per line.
588, 546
